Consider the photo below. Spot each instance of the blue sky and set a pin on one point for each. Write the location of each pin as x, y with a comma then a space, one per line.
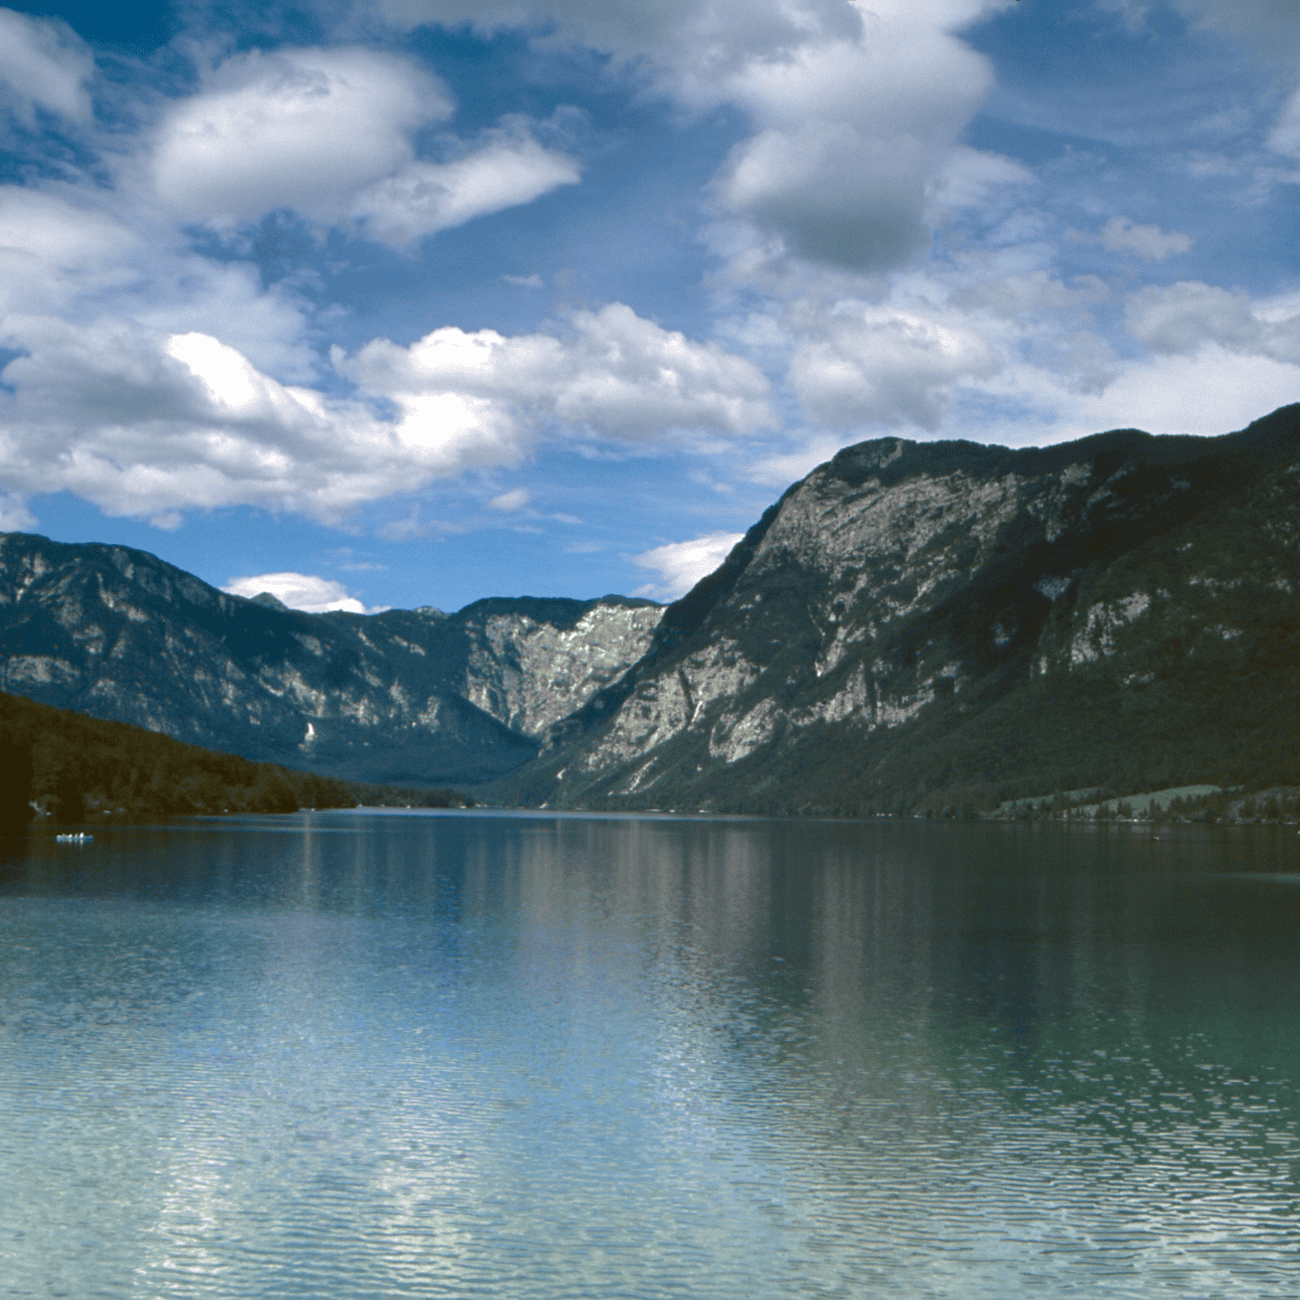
406, 302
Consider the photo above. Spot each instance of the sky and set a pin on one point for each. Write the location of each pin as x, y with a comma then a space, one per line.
391, 303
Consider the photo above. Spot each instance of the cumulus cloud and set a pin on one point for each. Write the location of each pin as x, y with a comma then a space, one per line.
887, 367
1015, 291
148, 423
85, 255
1120, 235
618, 375
688, 45
328, 133
301, 129
43, 64
52, 250
680, 565
304, 591
854, 106
689, 49
1181, 318
150, 379
850, 133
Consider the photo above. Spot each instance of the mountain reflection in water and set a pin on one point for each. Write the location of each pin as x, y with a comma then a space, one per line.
363, 1055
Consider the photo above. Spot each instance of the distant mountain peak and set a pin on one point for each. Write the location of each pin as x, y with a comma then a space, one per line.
404, 696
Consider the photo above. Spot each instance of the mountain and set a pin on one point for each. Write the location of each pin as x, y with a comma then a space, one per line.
944, 626
926, 627
68, 768
407, 696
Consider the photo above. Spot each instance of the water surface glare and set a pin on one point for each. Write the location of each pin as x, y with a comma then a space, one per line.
357, 1055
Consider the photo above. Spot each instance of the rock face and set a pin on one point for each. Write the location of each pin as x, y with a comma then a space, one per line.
405, 696
531, 663
929, 626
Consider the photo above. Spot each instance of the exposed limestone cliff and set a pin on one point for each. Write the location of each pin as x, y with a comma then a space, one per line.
900, 629
529, 673
404, 696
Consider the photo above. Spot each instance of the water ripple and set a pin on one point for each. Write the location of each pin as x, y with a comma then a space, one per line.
509, 1058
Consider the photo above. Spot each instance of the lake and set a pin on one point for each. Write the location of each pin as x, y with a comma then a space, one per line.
366, 1054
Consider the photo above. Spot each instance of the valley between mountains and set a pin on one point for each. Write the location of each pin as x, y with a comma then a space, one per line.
913, 627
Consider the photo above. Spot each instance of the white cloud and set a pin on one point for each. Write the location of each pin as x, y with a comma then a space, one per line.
689, 45
690, 49
1120, 235
311, 594
510, 501
1011, 292
780, 469
426, 197
301, 129
887, 367
52, 250
14, 515
619, 376
991, 346
70, 256
1206, 392
86, 255
680, 565
854, 106
228, 302
153, 380
43, 64
969, 178
1180, 318
850, 133
147, 423
329, 134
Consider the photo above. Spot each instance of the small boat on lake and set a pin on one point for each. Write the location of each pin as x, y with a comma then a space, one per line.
79, 838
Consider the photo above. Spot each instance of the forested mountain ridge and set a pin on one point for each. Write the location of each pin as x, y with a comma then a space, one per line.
949, 625
406, 696
65, 768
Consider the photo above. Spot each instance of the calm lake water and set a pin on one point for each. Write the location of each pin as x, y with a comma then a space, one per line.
362, 1055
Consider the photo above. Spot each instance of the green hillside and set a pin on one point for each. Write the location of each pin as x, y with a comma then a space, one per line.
67, 768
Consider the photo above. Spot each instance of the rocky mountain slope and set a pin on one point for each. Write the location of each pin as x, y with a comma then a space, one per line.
405, 696
947, 625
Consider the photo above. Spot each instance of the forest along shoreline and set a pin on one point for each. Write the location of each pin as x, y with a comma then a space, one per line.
62, 768
1253, 804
